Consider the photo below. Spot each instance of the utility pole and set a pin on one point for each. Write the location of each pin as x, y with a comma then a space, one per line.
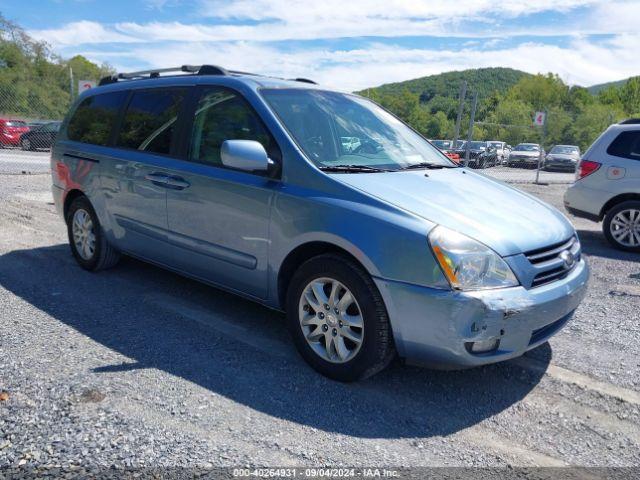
544, 136
470, 133
463, 94
71, 82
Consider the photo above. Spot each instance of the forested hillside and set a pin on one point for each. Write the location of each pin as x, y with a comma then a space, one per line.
35, 83
485, 80
595, 89
507, 102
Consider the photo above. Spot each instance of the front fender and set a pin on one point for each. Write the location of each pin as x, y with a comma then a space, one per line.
390, 243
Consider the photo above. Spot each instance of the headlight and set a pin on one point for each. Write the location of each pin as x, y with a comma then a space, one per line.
467, 263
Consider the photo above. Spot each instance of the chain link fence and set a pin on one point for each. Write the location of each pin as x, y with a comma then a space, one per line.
523, 155
27, 131
513, 153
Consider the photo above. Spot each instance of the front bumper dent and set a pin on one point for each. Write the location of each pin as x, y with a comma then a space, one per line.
431, 326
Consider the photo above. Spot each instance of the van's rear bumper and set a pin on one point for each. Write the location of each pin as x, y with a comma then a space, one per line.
431, 326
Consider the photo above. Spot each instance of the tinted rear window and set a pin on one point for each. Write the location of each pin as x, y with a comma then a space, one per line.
16, 123
626, 145
150, 120
94, 118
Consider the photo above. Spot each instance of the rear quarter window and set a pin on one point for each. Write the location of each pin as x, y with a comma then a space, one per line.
626, 145
93, 120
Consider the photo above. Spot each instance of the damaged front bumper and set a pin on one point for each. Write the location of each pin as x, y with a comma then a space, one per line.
437, 328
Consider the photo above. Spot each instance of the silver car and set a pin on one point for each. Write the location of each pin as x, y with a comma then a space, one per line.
607, 186
320, 204
525, 155
562, 157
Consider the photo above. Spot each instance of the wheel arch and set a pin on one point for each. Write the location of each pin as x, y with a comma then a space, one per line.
69, 197
305, 252
616, 200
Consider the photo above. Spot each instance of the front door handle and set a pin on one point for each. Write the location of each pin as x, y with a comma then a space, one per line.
157, 178
177, 183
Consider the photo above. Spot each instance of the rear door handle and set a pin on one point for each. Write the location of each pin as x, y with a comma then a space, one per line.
177, 183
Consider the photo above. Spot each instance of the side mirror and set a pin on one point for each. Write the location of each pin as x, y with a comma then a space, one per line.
246, 155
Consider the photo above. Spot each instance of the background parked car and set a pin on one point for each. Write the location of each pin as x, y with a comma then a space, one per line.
502, 150
40, 137
481, 154
525, 155
11, 131
562, 157
607, 187
446, 147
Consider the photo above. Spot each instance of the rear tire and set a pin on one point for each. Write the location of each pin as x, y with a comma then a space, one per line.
621, 226
88, 243
26, 144
313, 337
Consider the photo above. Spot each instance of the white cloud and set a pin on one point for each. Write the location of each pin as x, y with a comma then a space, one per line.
302, 20
82, 32
241, 33
583, 62
293, 11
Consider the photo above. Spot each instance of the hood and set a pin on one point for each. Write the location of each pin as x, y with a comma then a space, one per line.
562, 156
506, 219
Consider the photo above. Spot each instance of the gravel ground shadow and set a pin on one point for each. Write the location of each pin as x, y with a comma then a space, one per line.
119, 309
594, 243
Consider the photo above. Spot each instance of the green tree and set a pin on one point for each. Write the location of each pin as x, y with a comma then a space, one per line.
540, 91
630, 95
34, 83
589, 124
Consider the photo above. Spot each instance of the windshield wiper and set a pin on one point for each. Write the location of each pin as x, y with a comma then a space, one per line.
427, 165
352, 169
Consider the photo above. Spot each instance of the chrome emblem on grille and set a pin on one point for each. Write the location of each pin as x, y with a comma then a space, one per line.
568, 258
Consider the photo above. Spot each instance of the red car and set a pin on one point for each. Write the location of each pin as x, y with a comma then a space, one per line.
11, 131
452, 155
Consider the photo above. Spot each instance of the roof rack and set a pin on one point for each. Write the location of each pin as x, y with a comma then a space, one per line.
155, 73
630, 121
192, 69
304, 80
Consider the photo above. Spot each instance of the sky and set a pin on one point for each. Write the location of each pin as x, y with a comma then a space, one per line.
345, 44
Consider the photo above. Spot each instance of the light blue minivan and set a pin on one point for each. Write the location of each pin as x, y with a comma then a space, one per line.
318, 203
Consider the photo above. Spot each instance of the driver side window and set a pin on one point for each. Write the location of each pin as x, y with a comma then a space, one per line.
222, 114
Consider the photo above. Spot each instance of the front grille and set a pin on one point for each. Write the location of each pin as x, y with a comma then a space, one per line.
554, 262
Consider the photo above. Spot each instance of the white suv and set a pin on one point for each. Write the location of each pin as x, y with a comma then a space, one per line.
607, 185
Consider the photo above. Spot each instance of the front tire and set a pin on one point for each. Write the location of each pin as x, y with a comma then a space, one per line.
26, 145
338, 320
89, 245
621, 226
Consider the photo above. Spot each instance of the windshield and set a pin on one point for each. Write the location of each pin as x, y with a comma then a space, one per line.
336, 129
497, 145
477, 145
527, 147
442, 144
565, 150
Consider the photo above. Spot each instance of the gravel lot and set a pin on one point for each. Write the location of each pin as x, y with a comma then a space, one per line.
16, 161
137, 367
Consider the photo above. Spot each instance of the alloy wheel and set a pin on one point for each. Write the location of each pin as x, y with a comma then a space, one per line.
84, 236
331, 320
625, 227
